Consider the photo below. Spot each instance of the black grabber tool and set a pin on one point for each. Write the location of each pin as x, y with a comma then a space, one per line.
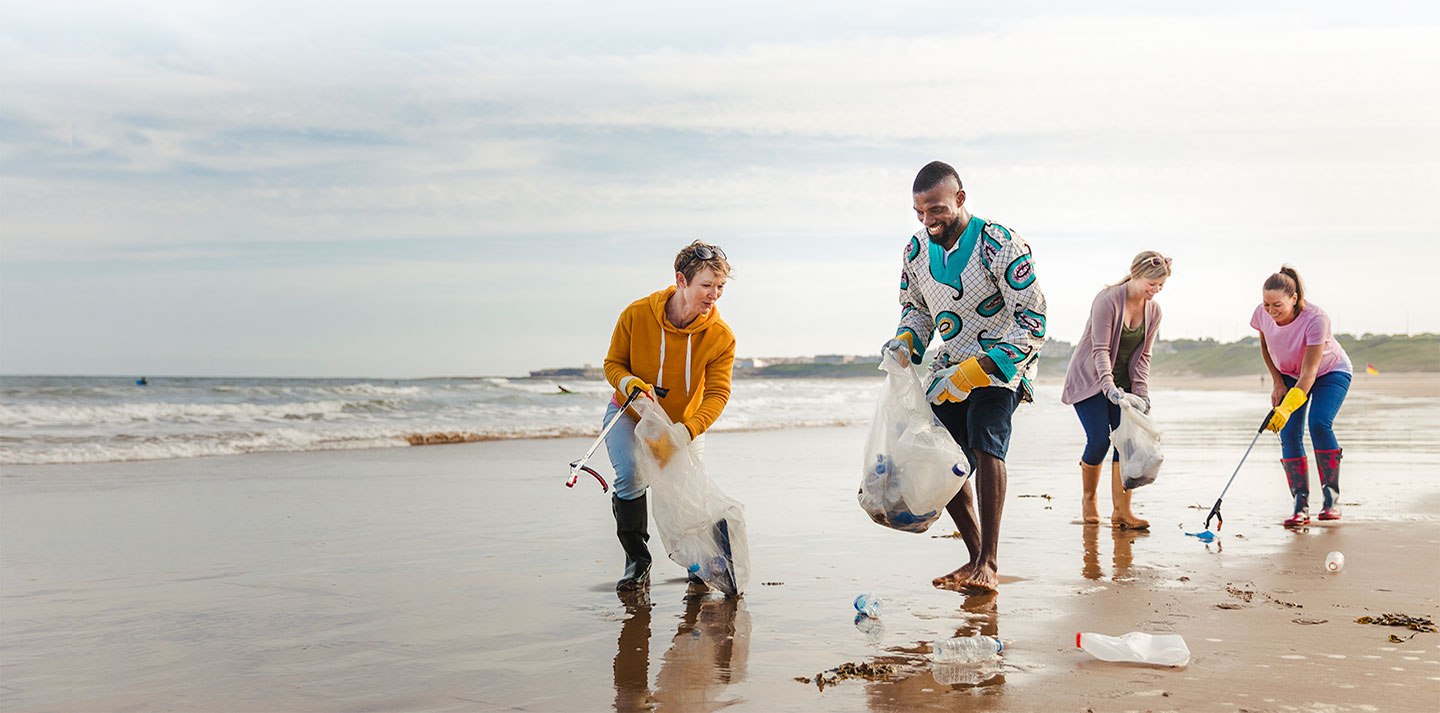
577, 466
1215, 511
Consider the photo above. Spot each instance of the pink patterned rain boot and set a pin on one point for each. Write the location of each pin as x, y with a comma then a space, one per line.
1328, 464
1297, 473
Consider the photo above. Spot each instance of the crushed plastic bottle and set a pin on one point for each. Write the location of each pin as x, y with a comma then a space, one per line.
1136, 646
1334, 562
870, 605
966, 649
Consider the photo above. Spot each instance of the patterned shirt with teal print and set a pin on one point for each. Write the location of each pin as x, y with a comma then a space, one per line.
983, 300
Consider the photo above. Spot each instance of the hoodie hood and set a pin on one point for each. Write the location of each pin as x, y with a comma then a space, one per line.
699, 324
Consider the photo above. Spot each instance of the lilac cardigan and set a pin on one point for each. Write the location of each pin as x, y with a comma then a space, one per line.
1094, 357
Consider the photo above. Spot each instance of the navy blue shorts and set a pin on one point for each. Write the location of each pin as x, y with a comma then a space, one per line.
981, 422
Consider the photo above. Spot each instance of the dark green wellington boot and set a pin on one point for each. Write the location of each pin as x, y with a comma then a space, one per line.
631, 528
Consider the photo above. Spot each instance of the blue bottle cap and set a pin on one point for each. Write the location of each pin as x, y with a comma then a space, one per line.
694, 568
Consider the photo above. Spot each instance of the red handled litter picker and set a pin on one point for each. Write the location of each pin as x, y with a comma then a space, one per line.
579, 465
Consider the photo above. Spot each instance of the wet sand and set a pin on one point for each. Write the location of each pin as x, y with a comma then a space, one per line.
467, 577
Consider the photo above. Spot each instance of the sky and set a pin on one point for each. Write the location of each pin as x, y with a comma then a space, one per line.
418, 189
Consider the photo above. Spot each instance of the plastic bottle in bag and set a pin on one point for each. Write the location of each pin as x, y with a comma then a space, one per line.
1138, 647
869, 604
966, 649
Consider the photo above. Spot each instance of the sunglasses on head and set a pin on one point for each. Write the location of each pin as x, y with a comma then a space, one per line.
703, 252
1158, 261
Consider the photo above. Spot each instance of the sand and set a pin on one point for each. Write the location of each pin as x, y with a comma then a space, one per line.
467, 577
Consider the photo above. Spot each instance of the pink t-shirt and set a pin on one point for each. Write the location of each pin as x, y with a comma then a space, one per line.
1287, 344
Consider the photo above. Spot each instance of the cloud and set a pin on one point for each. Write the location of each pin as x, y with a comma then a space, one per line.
157, 137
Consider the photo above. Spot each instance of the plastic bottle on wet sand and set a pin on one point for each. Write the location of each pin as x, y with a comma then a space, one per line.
966, 649
1334, 562
1137, 647
869, 604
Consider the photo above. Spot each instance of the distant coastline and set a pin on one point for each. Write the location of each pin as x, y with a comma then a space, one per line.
1418, 353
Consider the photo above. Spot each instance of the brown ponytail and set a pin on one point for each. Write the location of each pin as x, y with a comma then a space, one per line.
1287, 280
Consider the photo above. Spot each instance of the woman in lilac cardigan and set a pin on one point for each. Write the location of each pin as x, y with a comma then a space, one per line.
1112, 358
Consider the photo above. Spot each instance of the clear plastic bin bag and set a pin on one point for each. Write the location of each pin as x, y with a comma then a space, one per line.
912, 466
1137, 439
701, 527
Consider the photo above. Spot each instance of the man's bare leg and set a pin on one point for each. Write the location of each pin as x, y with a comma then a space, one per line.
985, 573
962, 511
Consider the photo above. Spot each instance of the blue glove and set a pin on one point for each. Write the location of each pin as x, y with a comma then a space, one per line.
1114, 394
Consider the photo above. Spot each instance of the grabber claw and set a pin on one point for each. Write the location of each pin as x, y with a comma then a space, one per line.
1215, 513
575, 469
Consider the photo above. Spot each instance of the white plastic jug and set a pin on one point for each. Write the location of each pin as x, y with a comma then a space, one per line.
1139, 647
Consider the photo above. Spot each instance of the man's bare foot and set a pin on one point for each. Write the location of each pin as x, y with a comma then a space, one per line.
955, 580
983, 578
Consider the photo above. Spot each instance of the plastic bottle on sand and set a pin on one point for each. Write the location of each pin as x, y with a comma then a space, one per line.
966, 649
870, 605
1334, 562
1139, 647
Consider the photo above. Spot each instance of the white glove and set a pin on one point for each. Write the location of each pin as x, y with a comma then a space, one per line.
897, 348
943, 388
1115, 395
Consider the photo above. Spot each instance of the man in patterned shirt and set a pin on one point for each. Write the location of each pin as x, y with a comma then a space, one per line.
973, 281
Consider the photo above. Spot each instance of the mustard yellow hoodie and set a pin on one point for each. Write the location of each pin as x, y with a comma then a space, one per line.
694, 363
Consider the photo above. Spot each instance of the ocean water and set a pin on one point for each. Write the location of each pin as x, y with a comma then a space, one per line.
80, 419
72, 420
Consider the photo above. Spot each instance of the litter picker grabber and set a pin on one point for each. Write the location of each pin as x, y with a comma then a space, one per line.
577, 466
1215, 511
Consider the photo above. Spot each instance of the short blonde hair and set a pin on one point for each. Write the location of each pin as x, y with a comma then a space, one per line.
689, 264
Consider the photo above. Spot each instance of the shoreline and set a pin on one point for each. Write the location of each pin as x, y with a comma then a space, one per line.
446, 578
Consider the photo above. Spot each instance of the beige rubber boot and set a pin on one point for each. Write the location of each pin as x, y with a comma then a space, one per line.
1089, 502
1120, 515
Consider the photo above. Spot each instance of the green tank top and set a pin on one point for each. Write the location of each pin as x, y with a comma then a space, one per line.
1130, 340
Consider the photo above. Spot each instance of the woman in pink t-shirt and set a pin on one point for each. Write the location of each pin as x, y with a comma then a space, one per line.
1311, 372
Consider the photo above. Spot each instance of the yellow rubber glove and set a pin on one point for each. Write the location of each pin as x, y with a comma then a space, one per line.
955, 383
1294, 398
630, 383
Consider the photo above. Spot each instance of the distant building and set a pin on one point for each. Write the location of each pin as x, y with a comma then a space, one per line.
832, 359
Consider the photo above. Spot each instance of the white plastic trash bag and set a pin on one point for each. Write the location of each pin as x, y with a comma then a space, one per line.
1138, 441
702, 528
912, 466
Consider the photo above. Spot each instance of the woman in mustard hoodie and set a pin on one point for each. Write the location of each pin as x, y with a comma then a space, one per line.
674, 339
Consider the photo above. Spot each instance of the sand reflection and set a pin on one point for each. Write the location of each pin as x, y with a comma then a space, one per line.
708, 652
1122, 558
916, 686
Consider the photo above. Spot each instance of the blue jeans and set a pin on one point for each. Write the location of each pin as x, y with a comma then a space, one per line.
1323, 403
620, 444
1098, 417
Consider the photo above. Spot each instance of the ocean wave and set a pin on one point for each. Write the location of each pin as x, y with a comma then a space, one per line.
51, 415
59, 450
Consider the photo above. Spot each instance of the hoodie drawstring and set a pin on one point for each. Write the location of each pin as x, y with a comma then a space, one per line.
660, 377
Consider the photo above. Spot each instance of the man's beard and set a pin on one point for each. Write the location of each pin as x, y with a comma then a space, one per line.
951, 232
